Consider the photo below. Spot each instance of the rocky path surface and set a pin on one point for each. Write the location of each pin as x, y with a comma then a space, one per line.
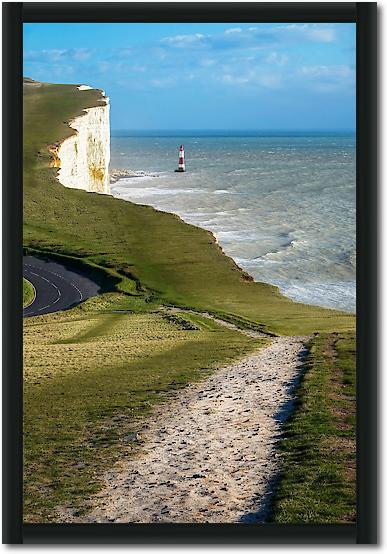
210, 455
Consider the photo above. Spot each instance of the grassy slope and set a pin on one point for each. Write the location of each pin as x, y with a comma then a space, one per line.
28, 293
89, 377
175, 262
81, 401
319, 451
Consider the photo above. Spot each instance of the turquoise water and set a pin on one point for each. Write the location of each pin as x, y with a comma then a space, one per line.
282, 206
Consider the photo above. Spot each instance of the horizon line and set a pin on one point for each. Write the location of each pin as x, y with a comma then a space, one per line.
224, 130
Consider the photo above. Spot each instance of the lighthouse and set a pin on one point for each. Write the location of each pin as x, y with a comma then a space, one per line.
181, 166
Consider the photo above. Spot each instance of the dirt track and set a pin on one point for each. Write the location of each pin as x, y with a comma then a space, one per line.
209, 456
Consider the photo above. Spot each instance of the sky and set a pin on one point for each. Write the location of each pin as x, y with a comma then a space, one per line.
205, 76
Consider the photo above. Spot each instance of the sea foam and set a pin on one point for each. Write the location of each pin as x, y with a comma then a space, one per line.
283, 207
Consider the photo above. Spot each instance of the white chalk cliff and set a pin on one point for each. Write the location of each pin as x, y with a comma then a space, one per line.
83, 158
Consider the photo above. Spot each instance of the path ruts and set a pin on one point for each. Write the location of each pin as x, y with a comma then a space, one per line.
210, 455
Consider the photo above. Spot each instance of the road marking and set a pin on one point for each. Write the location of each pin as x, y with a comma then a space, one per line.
50, 283
60, 277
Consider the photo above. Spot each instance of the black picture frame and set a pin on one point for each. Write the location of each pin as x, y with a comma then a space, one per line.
365, 530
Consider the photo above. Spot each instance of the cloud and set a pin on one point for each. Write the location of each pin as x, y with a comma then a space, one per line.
235, 79
233, 30
79, 54
328, 78
295, 32
163, 82
338, 72
261, 57
57, 55
254, 78
318, 32
272, 81
182, 41
256, 38
275, 58
207, 62
123, 52
323, 70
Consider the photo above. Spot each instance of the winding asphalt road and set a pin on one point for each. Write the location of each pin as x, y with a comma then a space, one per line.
57, 287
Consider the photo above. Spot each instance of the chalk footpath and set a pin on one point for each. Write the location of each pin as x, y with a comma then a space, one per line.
209, 456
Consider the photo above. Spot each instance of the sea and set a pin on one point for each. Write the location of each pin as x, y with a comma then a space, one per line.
281, 204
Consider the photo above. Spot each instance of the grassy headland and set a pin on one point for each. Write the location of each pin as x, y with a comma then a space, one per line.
169, 260
93, 372
319, 450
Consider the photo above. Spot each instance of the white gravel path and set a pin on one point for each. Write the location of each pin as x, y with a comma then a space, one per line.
210, 455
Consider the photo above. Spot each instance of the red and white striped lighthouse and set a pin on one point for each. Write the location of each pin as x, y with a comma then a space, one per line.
181, 166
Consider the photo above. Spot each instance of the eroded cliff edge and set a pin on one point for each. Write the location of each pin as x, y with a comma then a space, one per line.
83, 158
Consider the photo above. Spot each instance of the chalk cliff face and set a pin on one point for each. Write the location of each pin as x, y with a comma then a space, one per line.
83, 159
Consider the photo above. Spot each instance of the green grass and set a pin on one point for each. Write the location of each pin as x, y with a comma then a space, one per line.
28, 293
90, 379
154, 254
93, 373
317, 484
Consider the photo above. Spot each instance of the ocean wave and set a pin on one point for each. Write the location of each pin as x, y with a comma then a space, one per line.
120, 176
223, 191
239, 172
200, 215
288, 218
333, 294
282, 249
130, 192
238, 236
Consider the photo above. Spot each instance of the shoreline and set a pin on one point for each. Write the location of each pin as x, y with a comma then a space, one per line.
117, 175
145, 353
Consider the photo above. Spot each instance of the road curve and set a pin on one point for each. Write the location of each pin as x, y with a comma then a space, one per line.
57, 287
